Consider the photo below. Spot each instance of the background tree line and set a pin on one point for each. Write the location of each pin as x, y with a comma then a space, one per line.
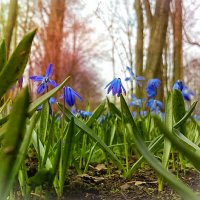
150, 36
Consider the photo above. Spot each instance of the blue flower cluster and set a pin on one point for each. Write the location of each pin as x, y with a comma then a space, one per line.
69, 95
116, 87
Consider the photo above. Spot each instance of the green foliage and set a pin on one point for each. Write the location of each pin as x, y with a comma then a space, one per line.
2, 54
12, 142
14, 67
182, 189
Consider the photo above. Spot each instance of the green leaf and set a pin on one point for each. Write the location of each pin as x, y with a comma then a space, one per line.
2, 54
16, 64
41, 149
153, 147
113, 109
93, 136
67, 153
185, 148
33, 106
43, 175
44, 119
186, 116
169, 124
179, 109
13, 138
178, 105
178, 186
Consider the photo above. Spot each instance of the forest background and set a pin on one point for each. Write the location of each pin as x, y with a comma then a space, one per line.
94, 41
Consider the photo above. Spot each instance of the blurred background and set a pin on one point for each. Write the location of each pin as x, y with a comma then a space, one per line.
93, 41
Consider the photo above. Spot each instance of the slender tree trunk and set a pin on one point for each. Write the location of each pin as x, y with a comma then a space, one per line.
139, 44
157, 40
178, 51
54, 36
158, 30
148, 12
11, 21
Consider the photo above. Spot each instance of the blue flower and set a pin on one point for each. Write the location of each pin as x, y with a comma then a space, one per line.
116, 86
51, 101
178, 85
186, 92
134, 77
84, 114
45, 80
70, 96
154, 105
136, 101
152, 86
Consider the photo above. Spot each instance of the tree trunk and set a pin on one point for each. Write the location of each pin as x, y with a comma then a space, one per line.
139, 44
178, 51
157, 40
54, 36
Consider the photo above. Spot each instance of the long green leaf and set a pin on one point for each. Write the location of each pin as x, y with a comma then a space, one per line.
2, 54
178, 186
12, 141
186, 116
169, 124
92, 134
181, 145
44, 119
67, 153
179, 109
16, 64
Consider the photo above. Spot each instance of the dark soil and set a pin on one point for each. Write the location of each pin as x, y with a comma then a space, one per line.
98, 185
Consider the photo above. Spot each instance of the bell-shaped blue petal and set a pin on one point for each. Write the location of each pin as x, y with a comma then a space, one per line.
70, 96
116, 87
152, 86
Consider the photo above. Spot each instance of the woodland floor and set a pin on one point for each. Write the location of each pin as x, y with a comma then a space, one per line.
98, 185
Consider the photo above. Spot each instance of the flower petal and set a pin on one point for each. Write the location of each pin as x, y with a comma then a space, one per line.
53, 83
37, 78
49, 70
42, 87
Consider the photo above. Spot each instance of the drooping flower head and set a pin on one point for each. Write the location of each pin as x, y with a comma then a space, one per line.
136, 101
70, 96
134, 77
186, 92
152, 86
45, 80
116, 87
